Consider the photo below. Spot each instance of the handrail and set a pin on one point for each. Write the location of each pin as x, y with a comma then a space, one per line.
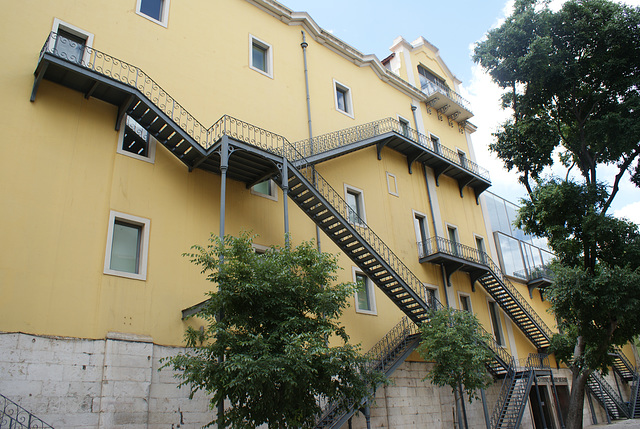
507, 382
430, 87
336, 139
635, 385
608, 390
13, 415
441, 245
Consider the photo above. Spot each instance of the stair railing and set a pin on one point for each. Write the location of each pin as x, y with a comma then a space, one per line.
439, 244
633, 400
607, 391
13, 415
337, 139
503, 396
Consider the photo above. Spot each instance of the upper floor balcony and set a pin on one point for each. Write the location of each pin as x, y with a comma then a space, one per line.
445, 100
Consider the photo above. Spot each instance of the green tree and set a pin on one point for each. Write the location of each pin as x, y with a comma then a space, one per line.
279, 311
571, 81
457, 344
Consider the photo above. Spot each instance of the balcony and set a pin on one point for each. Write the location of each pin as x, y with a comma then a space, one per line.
536, 277
446, 101
454, 256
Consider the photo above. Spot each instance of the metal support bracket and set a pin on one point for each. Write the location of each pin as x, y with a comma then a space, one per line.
36, 81
380, 145
122, 110
91, 90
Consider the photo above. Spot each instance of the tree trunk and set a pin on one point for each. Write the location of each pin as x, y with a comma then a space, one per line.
576, 400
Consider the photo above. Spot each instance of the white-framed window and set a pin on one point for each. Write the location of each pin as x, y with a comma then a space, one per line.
127, 246
435, 142
355, 205
496, 324
464, 301
433, 295
405, 126
135, 141
342, 97
452, 235
392, 184
364, 296
70, 42
422, 233
154, 10
260, 56
482, 250
462, 156
267, 189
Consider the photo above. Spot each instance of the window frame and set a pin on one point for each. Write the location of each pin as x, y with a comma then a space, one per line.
268, 57
418, 232
165, 13
76, 31
462, 157
468, 298
404, 122
337, 86
370, 293
497, 323
394, 179
273, 190
143, 251
362, 214
432, 288
436, 142
151, 148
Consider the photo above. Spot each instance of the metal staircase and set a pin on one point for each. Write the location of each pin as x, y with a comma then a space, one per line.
455, 256
625, 369
613, 404
13, 416
389, 353
634, 404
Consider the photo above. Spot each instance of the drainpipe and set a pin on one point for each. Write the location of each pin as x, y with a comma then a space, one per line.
304, 45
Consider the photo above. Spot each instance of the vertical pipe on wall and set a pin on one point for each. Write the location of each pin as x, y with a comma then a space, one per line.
285, 192
304, 46
224, 166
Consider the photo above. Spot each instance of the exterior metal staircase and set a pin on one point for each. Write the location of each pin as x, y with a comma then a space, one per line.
514, 393
625, 369
455, 256
634, 404
389, 353
613, 404
13, 416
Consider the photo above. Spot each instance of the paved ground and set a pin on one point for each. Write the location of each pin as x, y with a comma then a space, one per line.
626, 424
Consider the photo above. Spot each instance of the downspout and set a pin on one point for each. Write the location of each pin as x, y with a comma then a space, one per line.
304, 45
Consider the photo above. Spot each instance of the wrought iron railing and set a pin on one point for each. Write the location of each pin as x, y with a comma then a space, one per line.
633, 400
430, 87
468, 253
13, 416
535, 273
336, 139
503, 397
605, 390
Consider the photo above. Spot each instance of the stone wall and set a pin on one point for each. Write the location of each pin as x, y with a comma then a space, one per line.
115, 382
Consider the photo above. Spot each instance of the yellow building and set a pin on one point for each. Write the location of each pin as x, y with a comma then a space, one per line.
134, 128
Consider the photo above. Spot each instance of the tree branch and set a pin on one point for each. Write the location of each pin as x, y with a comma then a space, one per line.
616, 182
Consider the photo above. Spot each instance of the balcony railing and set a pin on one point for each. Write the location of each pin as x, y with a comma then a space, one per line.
13, 415
429, 87
337, 139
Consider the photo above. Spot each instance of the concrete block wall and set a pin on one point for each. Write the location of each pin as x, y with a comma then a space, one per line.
115, 382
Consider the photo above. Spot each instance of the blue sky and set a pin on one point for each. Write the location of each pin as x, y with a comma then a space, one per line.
453, 27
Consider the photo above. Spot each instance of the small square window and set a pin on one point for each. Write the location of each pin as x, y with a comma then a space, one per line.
261, 56
343, 98
392, 184
127, 246
135, 141
154, 10
267, 189
465, 303
364, 296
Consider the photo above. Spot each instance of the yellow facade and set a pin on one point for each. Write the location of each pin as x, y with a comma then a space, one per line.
62, 174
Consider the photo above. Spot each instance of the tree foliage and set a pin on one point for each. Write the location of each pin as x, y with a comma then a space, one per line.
455, 341
279, 310
571, 80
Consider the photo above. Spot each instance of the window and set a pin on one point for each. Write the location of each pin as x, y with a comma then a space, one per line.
429, 80
392, 184
463, 158
261, 56
266, 189
355, 205
154, 10
482, 252
432, 296
452, 232
404, 126
465, 303
127, 246
70, 42
494, 314
135, 141
343, 98
435, 141
422, 234
365, 299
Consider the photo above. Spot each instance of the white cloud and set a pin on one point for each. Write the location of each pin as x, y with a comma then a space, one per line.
630, 212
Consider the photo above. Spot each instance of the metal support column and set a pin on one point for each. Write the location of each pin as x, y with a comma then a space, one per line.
540, 403
487, 419
285, 197
224, 166
594, 419
555, 394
